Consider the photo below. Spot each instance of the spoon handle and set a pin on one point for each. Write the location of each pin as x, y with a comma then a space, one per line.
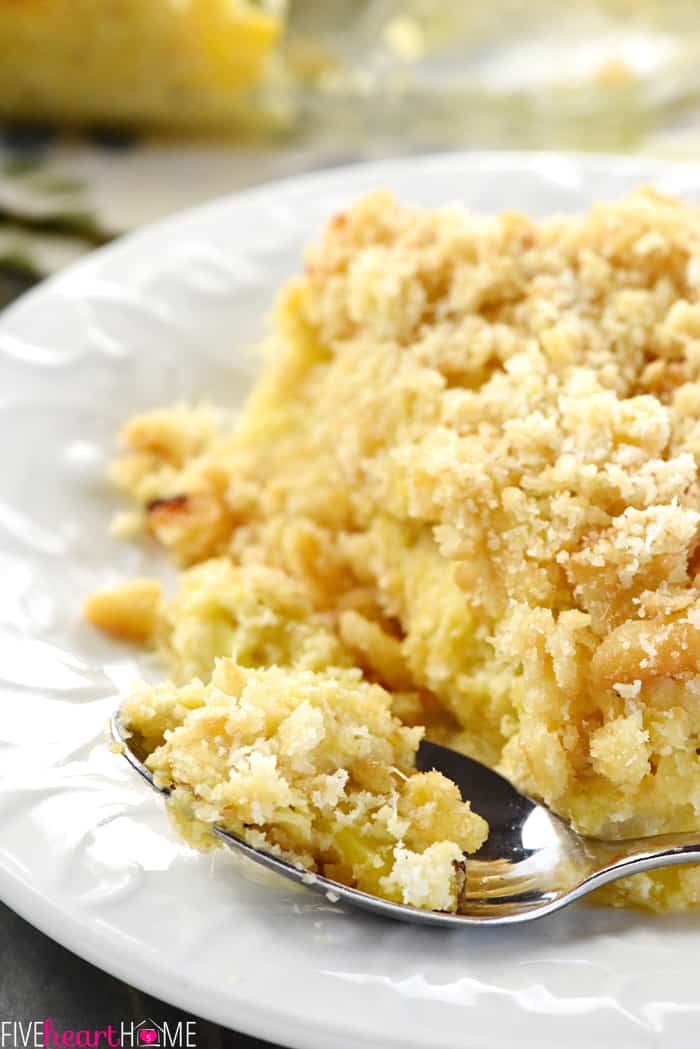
610, 860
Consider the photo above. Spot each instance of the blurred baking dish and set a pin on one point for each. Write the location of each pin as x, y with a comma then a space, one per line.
176, 64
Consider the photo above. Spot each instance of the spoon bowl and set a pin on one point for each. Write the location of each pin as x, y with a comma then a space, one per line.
531, 864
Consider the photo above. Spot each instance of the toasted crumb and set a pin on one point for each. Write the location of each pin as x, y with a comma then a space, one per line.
426, 879
619, 751
127, 611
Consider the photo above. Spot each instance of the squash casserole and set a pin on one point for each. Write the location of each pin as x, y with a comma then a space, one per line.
190, 65
464, 495
313, 767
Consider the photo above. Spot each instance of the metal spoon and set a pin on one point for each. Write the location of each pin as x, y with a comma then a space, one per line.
532, 863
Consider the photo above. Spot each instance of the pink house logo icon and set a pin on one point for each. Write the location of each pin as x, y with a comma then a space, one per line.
148, 1033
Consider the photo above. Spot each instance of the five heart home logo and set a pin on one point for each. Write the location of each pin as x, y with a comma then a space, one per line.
46, 1034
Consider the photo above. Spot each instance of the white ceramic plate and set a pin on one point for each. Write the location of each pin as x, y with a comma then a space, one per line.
86, 852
